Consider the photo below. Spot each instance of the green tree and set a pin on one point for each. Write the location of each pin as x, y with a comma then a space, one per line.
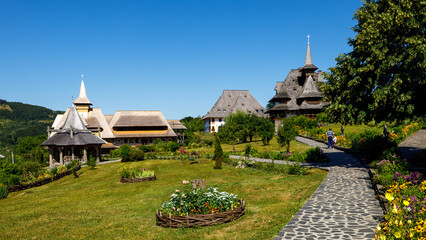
287, 132
266, 130
218, 153
384, 77
235, 128
193, 126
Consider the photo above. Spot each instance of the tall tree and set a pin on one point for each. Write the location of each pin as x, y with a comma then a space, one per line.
235, 127
266, 129
287, 132
384, 77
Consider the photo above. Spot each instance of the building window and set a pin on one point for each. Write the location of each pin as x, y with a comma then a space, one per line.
218, 111
224, 110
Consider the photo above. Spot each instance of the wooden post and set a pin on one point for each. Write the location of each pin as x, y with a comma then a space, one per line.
72, 153
98, 149
84, 154
50, 157
61, 156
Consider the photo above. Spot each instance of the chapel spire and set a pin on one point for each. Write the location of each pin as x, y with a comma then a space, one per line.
308, 58
82, 98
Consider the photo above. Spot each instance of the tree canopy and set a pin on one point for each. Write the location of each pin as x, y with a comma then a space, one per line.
384, 76
287, 132
241, 126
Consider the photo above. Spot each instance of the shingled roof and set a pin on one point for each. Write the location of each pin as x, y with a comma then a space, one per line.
73, 133
176, 125
299, 91
232, 100
310, 90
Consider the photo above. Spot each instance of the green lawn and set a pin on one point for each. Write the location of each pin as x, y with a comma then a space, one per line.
258, 144
350, 128
97, 206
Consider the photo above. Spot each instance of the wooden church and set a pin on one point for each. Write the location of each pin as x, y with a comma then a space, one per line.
299, 93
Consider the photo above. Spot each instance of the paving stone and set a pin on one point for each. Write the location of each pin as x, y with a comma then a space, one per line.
343, 207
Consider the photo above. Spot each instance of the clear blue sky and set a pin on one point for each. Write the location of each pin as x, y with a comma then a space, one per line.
174, 56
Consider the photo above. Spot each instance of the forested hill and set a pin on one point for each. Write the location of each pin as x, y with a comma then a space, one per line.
18, 120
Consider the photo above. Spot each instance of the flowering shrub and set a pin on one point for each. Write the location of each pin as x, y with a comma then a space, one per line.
407, 212
386, 170
3, 191
126, 172
199, 201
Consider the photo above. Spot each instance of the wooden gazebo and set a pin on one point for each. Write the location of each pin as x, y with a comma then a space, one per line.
72, 141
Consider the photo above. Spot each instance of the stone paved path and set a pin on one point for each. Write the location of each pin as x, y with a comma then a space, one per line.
344, 205
413, 145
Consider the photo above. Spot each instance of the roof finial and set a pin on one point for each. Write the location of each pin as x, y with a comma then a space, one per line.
83, 75
308, 58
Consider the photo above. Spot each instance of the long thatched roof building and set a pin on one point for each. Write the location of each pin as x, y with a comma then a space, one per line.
124, 127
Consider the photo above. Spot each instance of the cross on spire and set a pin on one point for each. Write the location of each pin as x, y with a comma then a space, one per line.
307, 36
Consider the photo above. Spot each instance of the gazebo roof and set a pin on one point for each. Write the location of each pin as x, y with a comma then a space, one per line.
73, 133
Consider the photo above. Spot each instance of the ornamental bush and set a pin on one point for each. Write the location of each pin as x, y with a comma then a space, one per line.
3, 191
315, 155
199, 201
91, 162
126, 172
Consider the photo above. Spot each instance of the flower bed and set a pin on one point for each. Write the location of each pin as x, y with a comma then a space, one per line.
134, 180
199, 207
136, 175
43, 179
405, 194
202, 220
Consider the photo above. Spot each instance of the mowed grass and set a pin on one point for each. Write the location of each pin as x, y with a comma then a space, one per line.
350, 128
97, 206
273, 146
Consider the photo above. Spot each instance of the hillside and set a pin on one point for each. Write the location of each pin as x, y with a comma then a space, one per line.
19, 120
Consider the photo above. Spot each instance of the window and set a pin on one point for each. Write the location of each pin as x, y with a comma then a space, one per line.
224, 110
218, 111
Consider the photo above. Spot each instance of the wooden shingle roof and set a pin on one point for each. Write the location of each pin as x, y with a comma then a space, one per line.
232, 100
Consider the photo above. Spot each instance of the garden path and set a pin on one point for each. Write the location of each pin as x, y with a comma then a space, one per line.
343, 207
413, 144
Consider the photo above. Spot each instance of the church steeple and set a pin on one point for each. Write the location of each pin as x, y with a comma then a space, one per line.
308, 59
82, 98
82, 103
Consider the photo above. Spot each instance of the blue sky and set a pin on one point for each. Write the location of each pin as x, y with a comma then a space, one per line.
174, 56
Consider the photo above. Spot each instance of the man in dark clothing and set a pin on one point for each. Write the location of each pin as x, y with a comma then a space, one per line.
330, 134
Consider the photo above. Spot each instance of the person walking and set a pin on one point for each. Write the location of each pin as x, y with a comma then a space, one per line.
330, 134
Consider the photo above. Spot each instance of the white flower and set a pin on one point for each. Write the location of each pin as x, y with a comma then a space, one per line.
177, 190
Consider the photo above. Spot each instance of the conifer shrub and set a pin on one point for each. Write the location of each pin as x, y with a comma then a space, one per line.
218, 153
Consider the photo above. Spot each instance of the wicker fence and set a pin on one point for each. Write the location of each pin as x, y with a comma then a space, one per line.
134, 180
202, 220
43, 181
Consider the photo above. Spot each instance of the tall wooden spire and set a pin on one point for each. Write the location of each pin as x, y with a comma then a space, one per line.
308, 58
82, 103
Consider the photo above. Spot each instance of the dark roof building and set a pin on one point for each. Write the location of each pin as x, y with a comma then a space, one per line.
230, 102
299, 93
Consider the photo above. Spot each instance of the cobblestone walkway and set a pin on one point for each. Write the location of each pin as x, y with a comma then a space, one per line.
413, 145
344, 205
